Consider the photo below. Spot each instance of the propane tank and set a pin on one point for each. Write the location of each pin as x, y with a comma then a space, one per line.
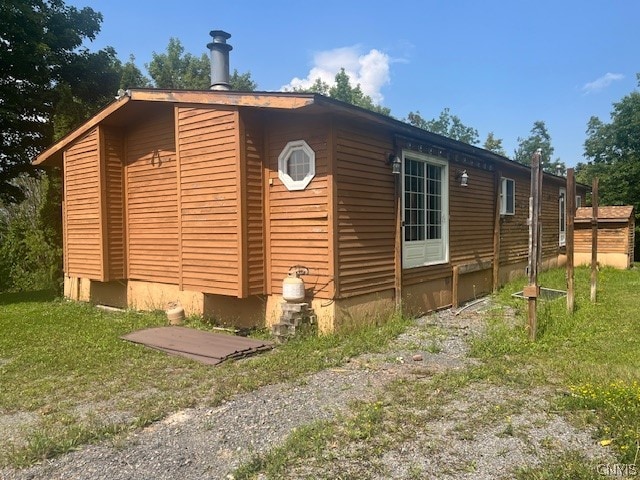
293, 286
175, 314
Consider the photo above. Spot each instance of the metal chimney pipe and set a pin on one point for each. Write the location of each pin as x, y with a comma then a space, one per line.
219, 60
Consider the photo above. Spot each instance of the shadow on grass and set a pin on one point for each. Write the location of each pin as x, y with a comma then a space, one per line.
39, 296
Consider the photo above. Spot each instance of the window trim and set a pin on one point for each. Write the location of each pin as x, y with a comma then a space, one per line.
410, 261
503, 197
283, 158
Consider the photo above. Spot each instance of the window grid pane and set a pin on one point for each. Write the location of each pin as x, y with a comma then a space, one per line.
298, 165
434, 204
422, 200
414, 201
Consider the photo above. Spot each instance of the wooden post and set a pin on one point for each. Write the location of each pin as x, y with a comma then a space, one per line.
398, 244
594, 239
534, 244
455, 302
496, 233
571, 213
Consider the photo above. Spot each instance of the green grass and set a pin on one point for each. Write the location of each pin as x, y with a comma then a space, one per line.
592, 356
591, 359
63, 364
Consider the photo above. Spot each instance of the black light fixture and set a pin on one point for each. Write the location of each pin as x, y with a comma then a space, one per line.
463, 177
395, 162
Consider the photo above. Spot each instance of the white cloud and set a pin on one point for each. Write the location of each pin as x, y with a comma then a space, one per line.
370, 70
601, 83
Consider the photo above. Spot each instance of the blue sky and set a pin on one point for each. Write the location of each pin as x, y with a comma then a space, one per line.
497, 65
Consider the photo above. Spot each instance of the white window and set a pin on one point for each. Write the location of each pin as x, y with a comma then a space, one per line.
425, 206
562, 216
297, 165
578, 201
507, 196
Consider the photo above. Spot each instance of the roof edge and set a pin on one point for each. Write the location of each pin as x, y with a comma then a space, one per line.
50, 153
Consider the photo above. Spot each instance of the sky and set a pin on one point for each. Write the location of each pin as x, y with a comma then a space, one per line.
499, 66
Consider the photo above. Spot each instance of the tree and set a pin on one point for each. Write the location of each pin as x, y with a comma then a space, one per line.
131, 76
343, 90
613, 155
30, 252
447, 125
539, 138
177, 69
494, 145
42, 62
242, 82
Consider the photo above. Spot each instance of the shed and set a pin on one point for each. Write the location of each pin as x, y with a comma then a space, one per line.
616, 230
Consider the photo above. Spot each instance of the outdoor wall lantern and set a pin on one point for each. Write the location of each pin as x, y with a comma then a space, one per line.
395, 162
463, 177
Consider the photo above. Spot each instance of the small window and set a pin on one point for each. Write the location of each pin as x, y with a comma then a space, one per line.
578, 201
562, 216
297, 165
507, 197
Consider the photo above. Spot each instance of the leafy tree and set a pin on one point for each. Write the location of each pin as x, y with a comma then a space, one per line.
447, 125
343, 90
42, 63
242, 82
613, 155
494, 145
177, 69
539, 138
131, 76
30, 252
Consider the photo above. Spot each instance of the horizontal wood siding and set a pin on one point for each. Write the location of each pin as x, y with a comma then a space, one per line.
550, 217
514, 230
114, 211
298, 220
83, 238
471, 216
152, 206
254, 142
209, 199
365, 211
612, 237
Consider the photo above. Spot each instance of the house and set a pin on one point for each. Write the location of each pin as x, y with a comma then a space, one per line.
209, 197
616, 230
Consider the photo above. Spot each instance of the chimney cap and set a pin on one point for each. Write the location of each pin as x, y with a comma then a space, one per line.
220, 36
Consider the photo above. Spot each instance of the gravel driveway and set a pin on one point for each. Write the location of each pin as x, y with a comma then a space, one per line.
466, 440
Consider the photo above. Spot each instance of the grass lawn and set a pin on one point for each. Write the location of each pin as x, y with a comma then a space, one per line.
63, 366
589, 362
592, 356
67, 378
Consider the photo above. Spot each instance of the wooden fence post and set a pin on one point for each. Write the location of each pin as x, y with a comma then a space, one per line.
535, 205
571, 213
594, 239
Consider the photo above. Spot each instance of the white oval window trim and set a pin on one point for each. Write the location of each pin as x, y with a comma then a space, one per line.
306, 165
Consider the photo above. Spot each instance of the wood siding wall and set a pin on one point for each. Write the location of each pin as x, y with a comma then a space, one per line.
209, 199
152, 201
471, 215
254, 187
82, 219
113, 202
365, 211
612, 237
514, 230
298, 221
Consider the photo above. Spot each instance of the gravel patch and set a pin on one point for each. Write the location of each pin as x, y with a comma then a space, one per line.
485, 431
